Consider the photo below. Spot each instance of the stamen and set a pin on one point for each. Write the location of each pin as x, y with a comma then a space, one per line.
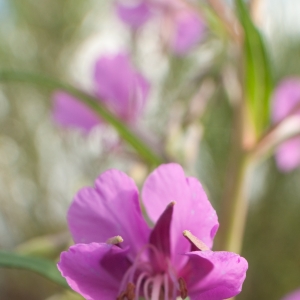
166, 286
182, 288
146, 288
130, 291
115, 240
195, 241
173, 277
128, 294
138, 284
122, 296
157, 282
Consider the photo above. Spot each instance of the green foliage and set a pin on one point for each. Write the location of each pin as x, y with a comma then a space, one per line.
44, 267
258, 76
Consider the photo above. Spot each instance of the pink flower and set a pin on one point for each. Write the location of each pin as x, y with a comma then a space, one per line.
292, 296
136, 261
285, 100
117, 84
134, 14
182, 27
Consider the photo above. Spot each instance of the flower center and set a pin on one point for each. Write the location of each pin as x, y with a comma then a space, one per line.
153, 279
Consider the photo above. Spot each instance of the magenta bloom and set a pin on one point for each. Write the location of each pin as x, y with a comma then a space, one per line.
134, 14
188, 30
292, 296
117, 84
286, 98
182, 27
117, 255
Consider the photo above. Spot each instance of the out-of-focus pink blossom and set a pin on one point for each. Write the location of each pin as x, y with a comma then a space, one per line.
188, 31
292, 296
134, 14
157, 263
117, 84
182, 27
286, 101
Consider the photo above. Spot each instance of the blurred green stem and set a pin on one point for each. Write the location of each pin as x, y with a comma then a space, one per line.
234, 204
124, 131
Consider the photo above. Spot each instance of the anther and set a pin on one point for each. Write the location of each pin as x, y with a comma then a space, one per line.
182, 288
195, 241
128, 294
115, 240
130, 291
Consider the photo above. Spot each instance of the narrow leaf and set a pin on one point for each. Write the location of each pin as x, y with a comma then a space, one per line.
258, 76
44, 267
124, 131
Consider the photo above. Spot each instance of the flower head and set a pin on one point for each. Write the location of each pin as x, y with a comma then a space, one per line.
116, 84
286, 101
182, 27
117, 255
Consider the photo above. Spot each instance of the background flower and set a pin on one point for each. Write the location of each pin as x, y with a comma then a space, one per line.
286, 101
181, 26
292, 296
117, 84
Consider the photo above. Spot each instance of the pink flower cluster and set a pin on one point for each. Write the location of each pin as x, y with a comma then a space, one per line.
118, 256
182, 26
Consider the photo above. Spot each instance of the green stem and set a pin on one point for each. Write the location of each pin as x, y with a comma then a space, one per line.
125, 132
234, 204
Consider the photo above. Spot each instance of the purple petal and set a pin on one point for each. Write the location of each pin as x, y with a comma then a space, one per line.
192, 210
225, 274
120, 86
286, 96
81, 266
285, 99
160, 235
134, 15
292, 296
288, 155
70, 112
189, 30
110, 209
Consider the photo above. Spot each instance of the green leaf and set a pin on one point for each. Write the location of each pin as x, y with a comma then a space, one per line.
258, 75
124, 131
44, 267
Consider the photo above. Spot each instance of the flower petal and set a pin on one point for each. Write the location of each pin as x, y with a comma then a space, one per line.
189, 30
292, 296
285, 99
160, 234
70, 112
110, 209
222, 278
288, 155
120, 86
81, 266
192, 211
134, 15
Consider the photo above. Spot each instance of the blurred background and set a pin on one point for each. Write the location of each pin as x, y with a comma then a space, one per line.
189, 112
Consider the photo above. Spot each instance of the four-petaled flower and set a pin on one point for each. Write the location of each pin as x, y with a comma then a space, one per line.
117, 85
181, 26
117, 255
286, 101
